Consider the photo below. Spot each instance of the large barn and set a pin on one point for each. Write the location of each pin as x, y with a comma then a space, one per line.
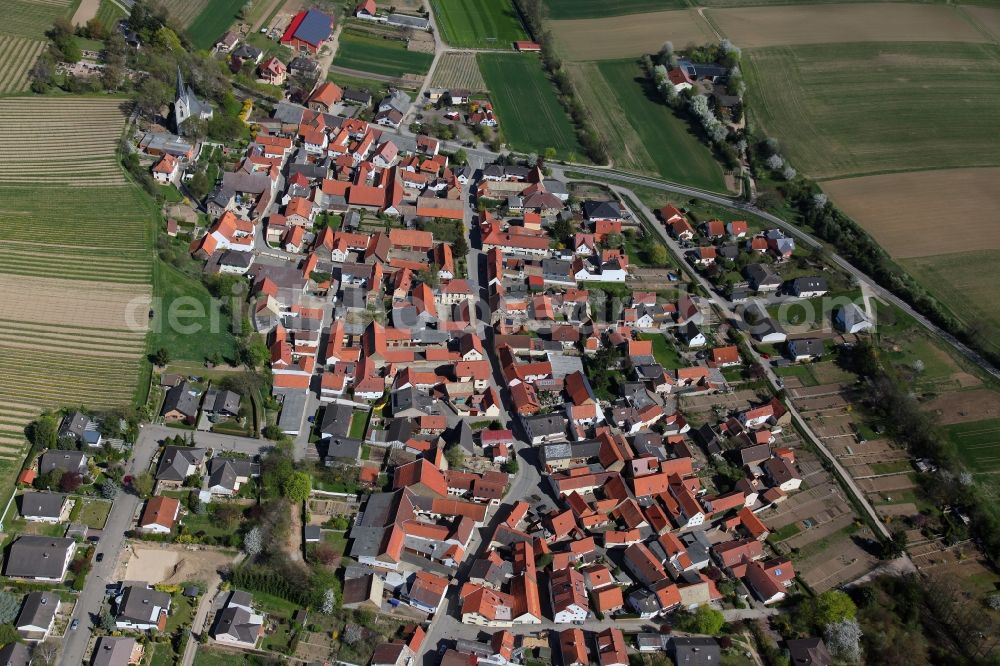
308, 30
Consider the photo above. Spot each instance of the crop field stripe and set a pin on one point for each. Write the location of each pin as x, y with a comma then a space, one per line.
530, 115
479, 23
380, 56
581, 9
676, 152
855, 109
458, 70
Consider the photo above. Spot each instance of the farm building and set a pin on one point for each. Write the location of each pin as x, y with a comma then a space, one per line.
308, 30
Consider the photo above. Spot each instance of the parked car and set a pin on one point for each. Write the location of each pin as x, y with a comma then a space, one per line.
74, 625
100, 557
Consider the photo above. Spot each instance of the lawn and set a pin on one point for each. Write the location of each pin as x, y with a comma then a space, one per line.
195, 523
664, 352
213, 20
978, 444
642, 132
531, 117
970, 296
359, 425
894, 467
94, 513
207, 656
181, 612
380, 56
478, 23
581, 9
851, 109
802, 371
188, 322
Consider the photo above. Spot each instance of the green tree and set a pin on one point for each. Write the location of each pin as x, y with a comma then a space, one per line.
703, 620
455, 456
460, 156
143, 484
161, 356
827, 608
254, 351
9, 607
297, 486
44, 433
199, 186
460, 247
658, 255
613, 240
549, 154
429, 276
152, 95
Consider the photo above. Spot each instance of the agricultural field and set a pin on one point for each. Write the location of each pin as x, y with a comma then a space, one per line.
42, 142
213, 20
31, 18
642, 133
855, 109
901, 209
978, 444
380, 56
17, 55
73, 329
987, 18
753, 27
966, 284
490, 24
582, 9
629, 36
533, 127
458, 70
109, 13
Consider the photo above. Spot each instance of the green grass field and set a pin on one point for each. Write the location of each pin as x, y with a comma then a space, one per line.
581, 9
969, 294
31, 18
200, 333
850, 109
213, 20
109, 13
380, 56
664, 352
642, 133
478, 23
978, 444
531, 117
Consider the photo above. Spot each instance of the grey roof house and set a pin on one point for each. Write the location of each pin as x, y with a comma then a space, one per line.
179, 462
140, 607
38, 613
42, 507
226, 475
111, 651
39, 558
180, 404
237, 623
221, 403
62, 461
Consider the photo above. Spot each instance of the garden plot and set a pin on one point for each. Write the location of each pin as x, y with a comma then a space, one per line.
458, 70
